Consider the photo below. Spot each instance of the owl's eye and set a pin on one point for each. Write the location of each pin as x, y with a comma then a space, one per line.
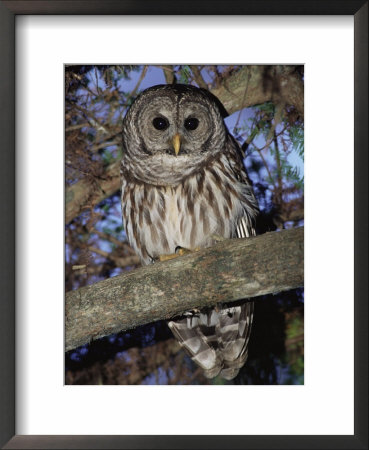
191, 123
160, 123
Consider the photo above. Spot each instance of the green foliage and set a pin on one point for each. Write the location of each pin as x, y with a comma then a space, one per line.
294, 357
292, 174
185, 75
107, 157
297, 139
272, 139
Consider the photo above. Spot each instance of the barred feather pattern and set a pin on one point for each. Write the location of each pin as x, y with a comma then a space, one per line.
183, 201
211, 201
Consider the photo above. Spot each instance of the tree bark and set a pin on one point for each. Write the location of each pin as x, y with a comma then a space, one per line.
252, 85
231, 270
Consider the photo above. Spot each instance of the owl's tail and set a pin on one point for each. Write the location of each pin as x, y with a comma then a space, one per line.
216, 340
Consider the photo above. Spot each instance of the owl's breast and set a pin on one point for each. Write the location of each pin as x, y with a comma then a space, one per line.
158, 219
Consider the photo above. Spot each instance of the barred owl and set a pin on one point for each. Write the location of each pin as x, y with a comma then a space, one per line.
183, 183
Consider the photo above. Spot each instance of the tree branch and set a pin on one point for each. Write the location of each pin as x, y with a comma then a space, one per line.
169, 74
87, 193
229, 271
198, 77
277, 84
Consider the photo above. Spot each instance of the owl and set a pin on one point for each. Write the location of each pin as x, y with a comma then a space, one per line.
184, 185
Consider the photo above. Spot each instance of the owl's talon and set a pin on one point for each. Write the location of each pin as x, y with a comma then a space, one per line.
168, 257
179, 251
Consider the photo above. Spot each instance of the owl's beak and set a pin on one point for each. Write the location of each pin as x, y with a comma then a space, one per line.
176, 143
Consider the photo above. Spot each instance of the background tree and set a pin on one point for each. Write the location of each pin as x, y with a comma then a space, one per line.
266, 110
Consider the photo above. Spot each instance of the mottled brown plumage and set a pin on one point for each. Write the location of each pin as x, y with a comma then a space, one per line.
184, 182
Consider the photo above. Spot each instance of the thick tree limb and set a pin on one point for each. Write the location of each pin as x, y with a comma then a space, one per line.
252, 85
87, 193
229, 271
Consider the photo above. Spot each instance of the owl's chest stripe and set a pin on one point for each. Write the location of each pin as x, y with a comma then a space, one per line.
173, 209
204, 219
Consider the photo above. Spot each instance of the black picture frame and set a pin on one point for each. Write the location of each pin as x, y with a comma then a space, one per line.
8, 11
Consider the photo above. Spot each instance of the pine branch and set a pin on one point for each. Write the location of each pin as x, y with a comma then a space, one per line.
231, 270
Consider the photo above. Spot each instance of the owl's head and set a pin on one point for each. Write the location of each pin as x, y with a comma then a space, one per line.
178, 126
